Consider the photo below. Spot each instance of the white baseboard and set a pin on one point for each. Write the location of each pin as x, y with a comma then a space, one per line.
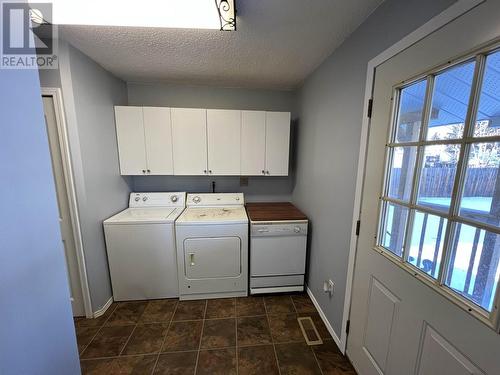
103, 309
325, 321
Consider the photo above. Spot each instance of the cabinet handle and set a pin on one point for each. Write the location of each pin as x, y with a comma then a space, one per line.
210, 171
191, 259
205, 171
143, 171
267, 172
149, 170
263, 172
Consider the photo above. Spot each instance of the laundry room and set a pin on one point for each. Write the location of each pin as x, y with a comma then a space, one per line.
243, 187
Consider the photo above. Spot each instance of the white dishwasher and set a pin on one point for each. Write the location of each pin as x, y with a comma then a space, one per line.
277, 253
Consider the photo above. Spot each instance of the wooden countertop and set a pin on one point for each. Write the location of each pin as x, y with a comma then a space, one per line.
271, 211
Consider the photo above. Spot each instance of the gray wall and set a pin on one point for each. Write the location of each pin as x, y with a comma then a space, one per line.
170, 95
89, 94
95, 92
37, 335
330, 109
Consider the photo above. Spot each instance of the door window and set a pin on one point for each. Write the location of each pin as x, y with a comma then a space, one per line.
440, 211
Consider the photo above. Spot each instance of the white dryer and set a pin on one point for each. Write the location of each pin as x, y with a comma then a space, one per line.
140, 242
212, 247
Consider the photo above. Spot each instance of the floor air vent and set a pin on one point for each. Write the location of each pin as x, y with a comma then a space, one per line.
309, 331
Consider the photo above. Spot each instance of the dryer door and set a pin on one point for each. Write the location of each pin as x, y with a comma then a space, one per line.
207, 258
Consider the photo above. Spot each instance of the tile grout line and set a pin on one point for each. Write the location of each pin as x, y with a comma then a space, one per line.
201, 336
165, 338
135, 326
316, 359
97, 332
272, 338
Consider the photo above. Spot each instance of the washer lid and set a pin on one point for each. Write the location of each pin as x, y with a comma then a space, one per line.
145, 216
213, 215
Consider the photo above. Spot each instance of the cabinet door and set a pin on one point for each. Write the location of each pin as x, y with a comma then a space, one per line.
277, 143
253, 143
223, 130
158, 134
189, 141
130, 137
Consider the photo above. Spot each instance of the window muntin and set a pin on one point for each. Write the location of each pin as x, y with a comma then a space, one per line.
487, 121
437, 176
474, 268
394, 229
401, 172
445, 159
426, 244
450, 101
410, 113
480, 199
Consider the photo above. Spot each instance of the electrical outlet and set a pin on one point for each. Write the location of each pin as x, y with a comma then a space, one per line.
328, 286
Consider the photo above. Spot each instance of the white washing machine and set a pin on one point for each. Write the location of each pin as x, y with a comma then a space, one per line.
212, 247
140, 242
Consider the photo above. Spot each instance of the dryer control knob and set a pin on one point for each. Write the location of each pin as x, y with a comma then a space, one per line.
137, 199
174, 198
296, 229
144, 199
196, 199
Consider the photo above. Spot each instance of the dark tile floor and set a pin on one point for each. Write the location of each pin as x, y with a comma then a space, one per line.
251, 335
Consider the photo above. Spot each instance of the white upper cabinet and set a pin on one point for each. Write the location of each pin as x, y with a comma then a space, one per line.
144, 140
277, 143
253, 143
158, 139
224, 136
130, 137
198, 142
189, 141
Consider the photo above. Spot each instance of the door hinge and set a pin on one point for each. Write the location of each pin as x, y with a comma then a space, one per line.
370, 108
347, 326
358, 225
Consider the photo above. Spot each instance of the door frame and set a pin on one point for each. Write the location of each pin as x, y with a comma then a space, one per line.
62, 132
448, 15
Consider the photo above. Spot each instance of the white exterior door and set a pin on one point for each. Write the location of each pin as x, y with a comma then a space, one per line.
253, 143
224, 134
189, 134
158, 140
277, 143
131, 143
423, 282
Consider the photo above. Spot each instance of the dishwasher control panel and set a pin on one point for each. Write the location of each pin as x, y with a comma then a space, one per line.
278, 229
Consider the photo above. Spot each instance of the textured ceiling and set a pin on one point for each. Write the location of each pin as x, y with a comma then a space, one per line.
277, 45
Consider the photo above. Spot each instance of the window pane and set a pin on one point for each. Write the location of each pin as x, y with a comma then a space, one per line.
450, 101
426, 244
439, 167
393, 232
488, 114
474, 267
401, 172
481, 196
411, 104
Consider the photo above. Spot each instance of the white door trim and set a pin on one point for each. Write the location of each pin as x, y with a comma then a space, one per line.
56, 95
454, 11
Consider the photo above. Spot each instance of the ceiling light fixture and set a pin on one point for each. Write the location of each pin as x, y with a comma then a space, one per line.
192, 14
227, 14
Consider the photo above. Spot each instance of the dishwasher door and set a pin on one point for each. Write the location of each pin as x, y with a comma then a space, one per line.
278, 249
